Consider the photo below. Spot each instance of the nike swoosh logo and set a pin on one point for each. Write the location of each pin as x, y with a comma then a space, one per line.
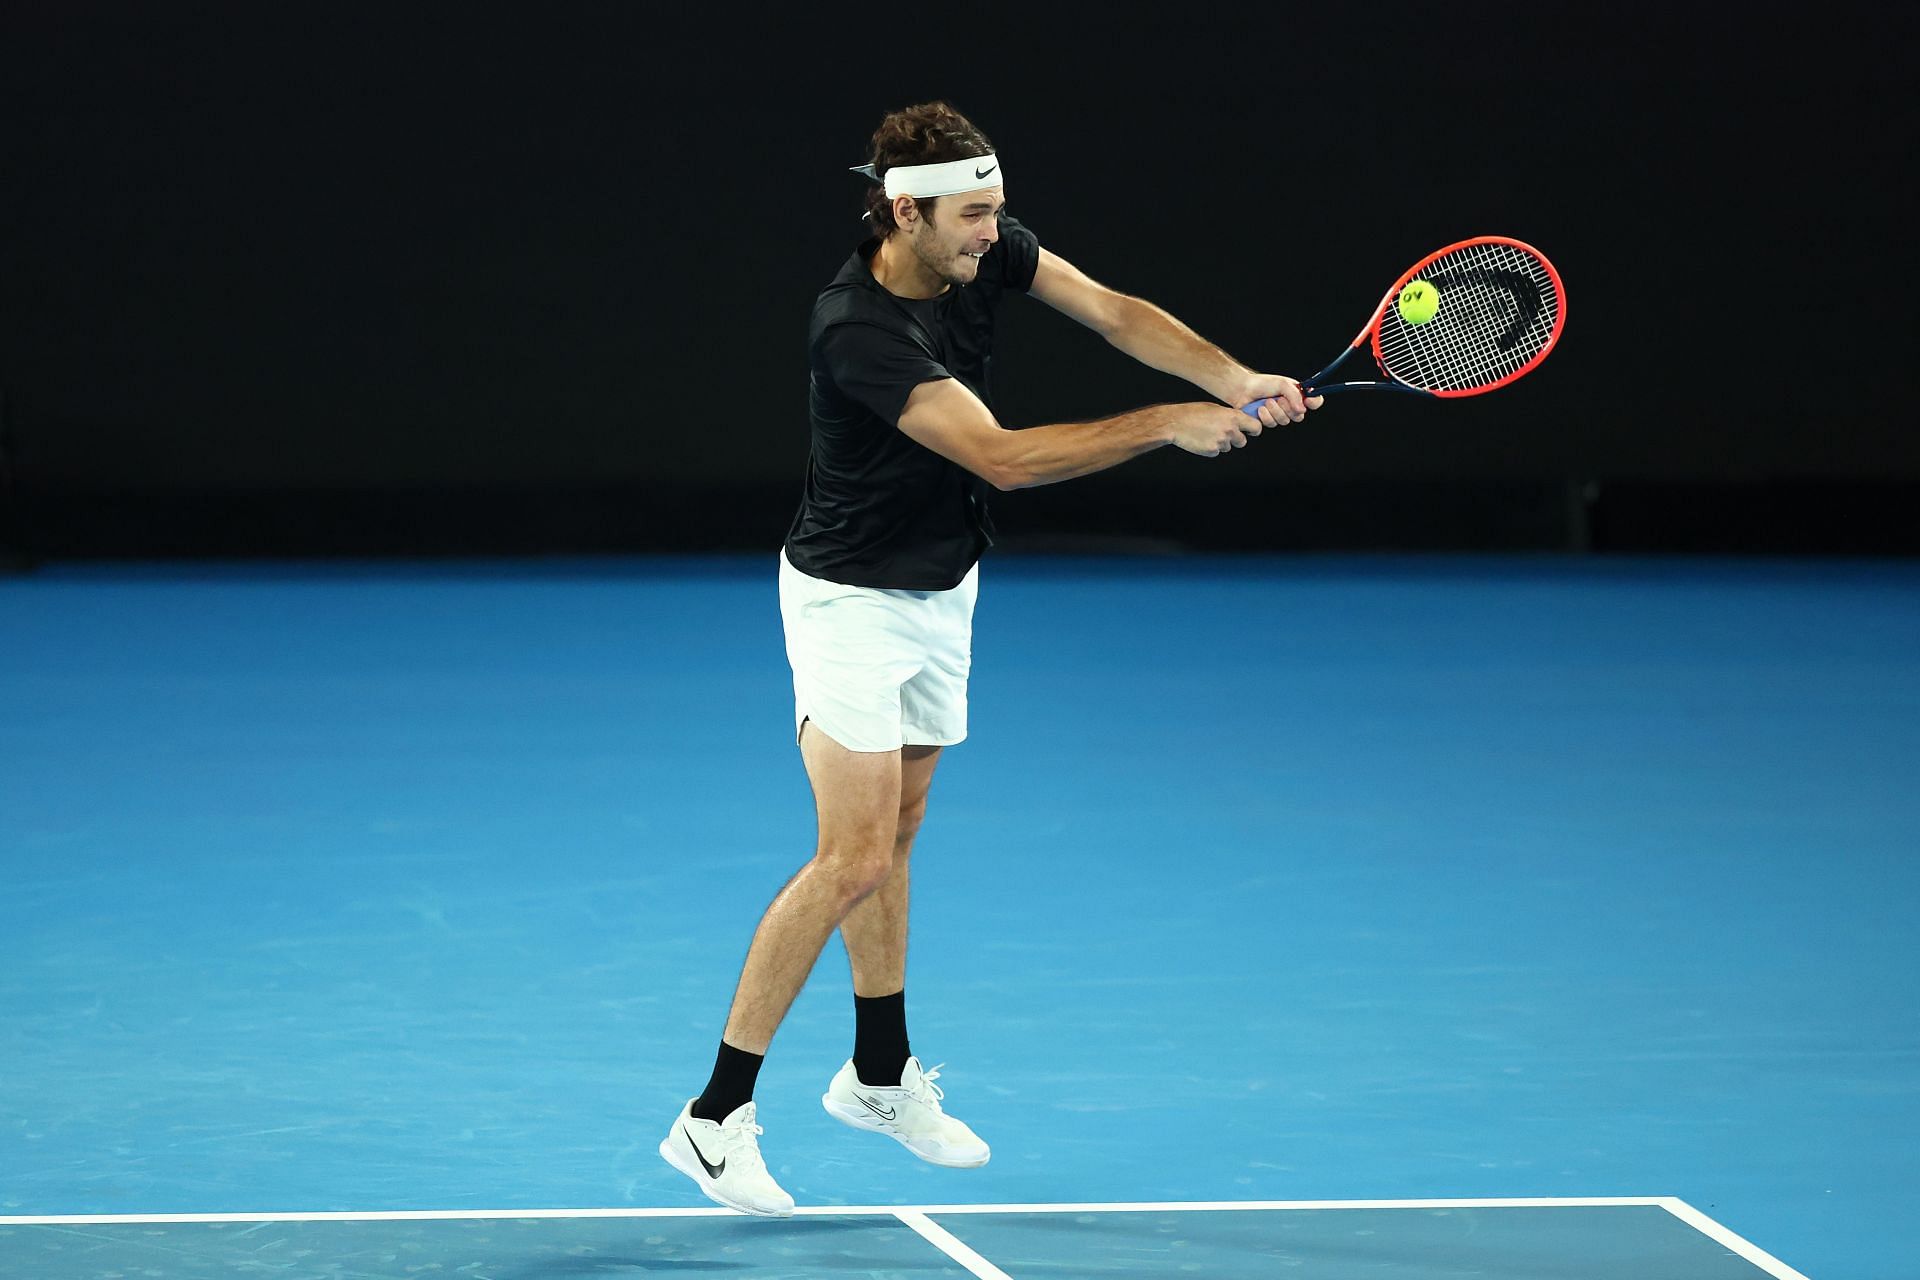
885, 1113
981, 173
713, 1170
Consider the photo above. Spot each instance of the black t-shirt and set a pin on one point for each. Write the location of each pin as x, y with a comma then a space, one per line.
880, 509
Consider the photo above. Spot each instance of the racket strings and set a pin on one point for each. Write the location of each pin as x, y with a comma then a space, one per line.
1498, 311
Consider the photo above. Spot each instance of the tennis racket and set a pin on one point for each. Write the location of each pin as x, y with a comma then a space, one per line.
1500, 310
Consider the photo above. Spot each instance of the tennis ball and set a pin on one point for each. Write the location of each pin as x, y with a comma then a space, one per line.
1418, 302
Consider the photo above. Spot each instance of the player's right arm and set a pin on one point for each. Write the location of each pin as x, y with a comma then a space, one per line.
949, 419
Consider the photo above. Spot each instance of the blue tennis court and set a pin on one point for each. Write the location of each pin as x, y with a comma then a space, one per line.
1319, 917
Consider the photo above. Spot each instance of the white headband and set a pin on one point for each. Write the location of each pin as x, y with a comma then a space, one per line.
924, 181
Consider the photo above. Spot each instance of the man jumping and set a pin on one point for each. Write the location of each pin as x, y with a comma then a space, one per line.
878, 579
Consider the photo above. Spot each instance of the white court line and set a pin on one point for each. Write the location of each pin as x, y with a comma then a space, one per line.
1747, 1249
1214, 1206
1151, 1206
951, 1245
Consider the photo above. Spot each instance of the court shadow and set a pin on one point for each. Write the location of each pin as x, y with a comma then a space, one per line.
559, 1270
805, 1246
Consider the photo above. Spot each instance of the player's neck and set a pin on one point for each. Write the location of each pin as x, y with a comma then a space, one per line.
898, 269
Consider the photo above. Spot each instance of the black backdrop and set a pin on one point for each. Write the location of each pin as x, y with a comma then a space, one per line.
284, 278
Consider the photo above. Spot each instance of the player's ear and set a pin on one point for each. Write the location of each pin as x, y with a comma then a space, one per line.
905, 211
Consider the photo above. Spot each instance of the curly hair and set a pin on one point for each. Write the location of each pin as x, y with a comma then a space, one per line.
929, 133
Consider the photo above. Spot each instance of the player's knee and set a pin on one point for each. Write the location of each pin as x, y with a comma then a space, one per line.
868, 874
857, 867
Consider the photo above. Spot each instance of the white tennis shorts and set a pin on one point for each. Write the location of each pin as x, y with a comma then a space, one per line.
877, 668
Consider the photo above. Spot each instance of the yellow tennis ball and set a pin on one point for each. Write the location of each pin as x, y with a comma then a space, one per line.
1418, 302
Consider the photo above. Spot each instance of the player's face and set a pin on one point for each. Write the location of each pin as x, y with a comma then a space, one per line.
959, 232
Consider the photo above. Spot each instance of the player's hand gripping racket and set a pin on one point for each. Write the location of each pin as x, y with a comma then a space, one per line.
1492, 309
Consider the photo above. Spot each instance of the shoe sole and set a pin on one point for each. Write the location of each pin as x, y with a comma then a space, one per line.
705, 1184
857, 1118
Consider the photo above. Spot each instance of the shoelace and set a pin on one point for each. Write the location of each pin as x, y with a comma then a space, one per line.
738, 1143
927, 1086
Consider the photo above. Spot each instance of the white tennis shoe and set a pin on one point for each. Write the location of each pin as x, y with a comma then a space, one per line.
909, 1113
723, 1159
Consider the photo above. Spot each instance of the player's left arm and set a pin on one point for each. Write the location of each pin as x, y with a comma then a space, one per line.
1158, 340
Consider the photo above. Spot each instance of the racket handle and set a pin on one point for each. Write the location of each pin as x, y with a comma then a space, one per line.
1306, 393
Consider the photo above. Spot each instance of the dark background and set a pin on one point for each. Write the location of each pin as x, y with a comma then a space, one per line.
304, 279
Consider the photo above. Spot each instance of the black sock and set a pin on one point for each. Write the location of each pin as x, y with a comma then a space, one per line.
880, 1038
731, 1086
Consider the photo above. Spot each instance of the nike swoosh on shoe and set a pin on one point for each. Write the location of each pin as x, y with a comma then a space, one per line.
713, 1170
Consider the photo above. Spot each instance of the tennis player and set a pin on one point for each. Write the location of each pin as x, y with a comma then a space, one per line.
877, 585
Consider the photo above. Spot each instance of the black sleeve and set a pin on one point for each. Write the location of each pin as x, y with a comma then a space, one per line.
876, 367
1019, 254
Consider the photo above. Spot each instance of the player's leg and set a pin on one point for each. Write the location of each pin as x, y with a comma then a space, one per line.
882, 1087
875, 931
857, 799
